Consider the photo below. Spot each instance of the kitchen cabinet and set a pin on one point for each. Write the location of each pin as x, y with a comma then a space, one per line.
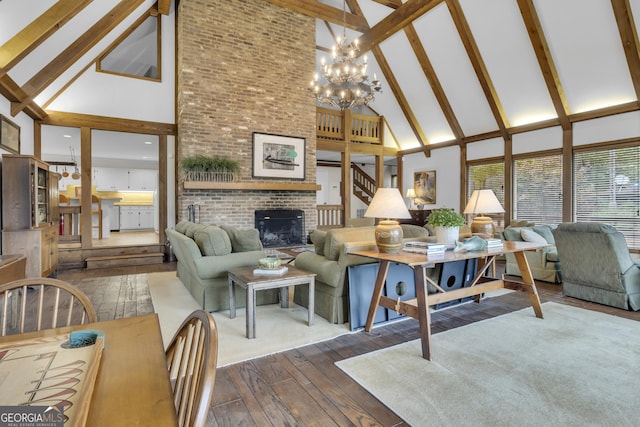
30, 213
117, 179
143, 179
136, 217
110, 179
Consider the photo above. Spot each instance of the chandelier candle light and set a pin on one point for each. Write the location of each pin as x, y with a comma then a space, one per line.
388, 203
347, 84
483, 202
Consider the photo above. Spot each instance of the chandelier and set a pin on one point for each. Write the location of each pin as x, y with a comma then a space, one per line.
346, 82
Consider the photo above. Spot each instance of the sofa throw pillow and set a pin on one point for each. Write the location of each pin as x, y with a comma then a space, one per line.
243, 240
191, 229
512, 234
528, 235
318, 238
212, 240
181, 227
545, 231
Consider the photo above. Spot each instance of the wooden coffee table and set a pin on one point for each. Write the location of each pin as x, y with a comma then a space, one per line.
252, 283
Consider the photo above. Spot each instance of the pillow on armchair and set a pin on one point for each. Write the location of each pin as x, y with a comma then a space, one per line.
528, 235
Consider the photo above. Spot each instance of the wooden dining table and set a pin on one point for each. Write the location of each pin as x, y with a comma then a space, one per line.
132, 385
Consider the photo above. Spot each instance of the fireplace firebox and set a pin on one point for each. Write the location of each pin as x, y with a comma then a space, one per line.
280, 227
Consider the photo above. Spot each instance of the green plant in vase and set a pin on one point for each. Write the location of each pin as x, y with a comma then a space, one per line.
446, 224
206, 168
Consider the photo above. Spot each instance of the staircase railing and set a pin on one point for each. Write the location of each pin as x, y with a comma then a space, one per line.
330, 216
364, 187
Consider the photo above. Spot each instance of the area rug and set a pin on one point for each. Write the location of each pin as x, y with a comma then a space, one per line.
573, 368
277, 329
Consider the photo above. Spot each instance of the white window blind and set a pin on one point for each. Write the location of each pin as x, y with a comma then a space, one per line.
607, 189
538, 189
487, 176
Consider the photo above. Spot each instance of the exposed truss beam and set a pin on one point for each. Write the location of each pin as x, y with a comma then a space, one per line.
31, 36
394, 4
10, 90
164, 6
324, 12
396, 21
545, 60
59, 118
393, 84
478, 65
79, 47
629, 38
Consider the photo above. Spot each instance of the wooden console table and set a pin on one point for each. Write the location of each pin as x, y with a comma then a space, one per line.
418, 308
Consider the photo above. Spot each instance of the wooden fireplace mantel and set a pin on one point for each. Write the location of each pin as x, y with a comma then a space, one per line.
286, 186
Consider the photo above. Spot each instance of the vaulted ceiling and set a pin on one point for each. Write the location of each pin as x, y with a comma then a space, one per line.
453, 71
456, 71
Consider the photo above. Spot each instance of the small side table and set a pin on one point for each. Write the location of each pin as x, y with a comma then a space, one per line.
244, 277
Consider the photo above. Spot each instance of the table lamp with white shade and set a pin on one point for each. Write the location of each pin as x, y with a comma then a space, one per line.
483, 202
411, 194
388, 203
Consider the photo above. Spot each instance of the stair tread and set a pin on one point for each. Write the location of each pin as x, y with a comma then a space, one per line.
98, 258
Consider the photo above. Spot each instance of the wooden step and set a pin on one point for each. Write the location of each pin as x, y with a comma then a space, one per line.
124, 260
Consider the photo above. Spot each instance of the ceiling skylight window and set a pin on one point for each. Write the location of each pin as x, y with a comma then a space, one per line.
137, 54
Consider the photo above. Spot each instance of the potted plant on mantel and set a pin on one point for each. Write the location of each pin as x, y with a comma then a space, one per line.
211, 169
446, 224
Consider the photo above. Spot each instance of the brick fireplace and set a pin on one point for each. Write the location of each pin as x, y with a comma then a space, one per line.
280, 227
225, 93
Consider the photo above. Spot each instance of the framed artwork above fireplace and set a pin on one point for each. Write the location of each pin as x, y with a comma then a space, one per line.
278, 156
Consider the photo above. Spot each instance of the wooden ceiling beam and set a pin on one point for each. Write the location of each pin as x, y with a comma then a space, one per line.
478, 65
545, 61
164, 6
432, 78
14, 93
629, 39
59, 118
396, 21
31, 36
79, 47
394, 4
324, 12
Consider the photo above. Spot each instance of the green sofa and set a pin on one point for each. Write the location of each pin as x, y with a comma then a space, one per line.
206, 253
330, 260
597, 266
544, 262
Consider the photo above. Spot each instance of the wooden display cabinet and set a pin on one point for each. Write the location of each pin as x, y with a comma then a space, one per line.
29, 214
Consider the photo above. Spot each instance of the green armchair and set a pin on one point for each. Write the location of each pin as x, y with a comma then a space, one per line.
596, 265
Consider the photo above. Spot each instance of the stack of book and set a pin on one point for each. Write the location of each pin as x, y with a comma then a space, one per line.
493, 244
424, 248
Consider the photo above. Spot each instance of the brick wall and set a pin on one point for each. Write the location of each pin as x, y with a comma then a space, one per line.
243, 66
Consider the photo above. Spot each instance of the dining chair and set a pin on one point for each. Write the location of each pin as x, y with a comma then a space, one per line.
42, 303
191, 360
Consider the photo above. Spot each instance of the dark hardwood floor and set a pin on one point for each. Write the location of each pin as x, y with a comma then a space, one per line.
303, 387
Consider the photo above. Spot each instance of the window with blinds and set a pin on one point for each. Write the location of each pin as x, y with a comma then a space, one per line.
487, 176
607, 189
537, 189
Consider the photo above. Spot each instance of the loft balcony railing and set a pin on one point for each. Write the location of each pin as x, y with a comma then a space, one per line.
348, 126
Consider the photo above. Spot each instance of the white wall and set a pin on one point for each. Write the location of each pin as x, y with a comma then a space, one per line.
446, 163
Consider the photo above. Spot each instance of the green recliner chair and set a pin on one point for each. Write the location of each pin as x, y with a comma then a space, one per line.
596, 265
